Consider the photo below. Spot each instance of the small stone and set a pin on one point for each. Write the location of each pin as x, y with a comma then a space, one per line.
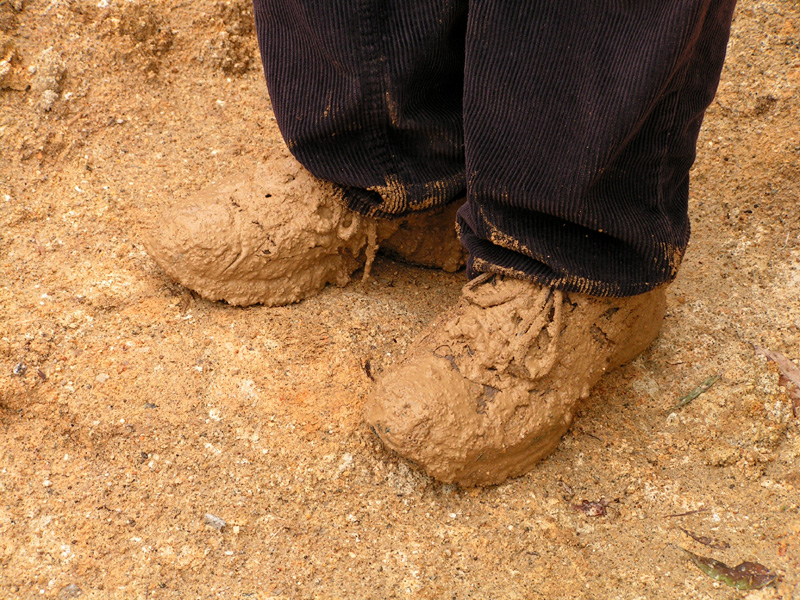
47, 100
346, 462
47, 483
19, 369
5, 70
102, 378
214, 521
70, 591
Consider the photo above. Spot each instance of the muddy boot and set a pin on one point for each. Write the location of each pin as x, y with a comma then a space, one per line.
281, 235
491, 386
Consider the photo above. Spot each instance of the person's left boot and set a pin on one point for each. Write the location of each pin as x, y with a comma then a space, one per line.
491, 386
280, 235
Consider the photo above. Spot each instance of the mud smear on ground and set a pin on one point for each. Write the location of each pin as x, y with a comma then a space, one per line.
130, 409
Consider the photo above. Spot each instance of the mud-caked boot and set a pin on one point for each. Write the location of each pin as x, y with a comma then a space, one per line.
280, 235
490, 387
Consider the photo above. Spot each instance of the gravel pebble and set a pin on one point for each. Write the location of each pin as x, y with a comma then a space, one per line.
214, 521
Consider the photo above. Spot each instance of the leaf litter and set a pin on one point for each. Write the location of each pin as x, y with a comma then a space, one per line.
700, 389
591, 508
744, 576
706, 540
790, 375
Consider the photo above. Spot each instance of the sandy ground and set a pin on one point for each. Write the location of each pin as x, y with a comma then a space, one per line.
130, 409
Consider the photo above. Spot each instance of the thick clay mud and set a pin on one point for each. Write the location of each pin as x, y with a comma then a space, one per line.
491, 387
273, 237
426, 239
279, 235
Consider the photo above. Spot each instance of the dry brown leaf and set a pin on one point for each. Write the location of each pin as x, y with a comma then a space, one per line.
790, 375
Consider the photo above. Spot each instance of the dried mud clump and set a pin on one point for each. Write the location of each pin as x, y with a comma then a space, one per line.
8, 14
231, 47
143, 28
12, 75
48, 77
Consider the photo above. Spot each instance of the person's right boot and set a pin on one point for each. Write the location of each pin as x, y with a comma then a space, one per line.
281, 235
489, 388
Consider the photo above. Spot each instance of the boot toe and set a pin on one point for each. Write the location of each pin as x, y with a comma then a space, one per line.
490, 387
271, 239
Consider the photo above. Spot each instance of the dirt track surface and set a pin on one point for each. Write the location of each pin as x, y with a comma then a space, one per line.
130, 409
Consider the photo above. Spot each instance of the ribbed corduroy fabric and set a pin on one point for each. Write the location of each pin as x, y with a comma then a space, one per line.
368, 94
571, 126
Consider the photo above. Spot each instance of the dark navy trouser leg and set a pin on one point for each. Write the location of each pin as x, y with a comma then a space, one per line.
580, 126
571, 126
368, 94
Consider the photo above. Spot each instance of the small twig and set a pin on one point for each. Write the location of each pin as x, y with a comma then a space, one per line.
277, 531
39, 248
368, 369
703, 387
706, 541
567, 488
684, 514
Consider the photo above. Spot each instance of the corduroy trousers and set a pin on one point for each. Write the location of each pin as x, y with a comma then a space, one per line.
570, 125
